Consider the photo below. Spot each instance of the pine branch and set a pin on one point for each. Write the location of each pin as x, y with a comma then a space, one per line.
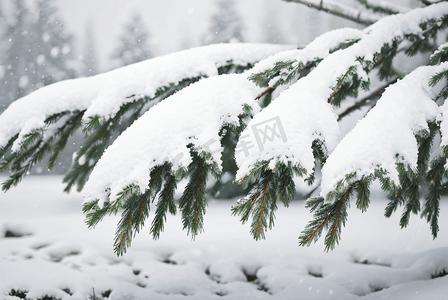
282, 73
408, 194
347, 85
341, 10
165, 204
135, 212
49, 139
261, 202
384, 7
101, 132
366, 100
268, 90
193, 202
331, 215
440, 55
430, 2
435, 176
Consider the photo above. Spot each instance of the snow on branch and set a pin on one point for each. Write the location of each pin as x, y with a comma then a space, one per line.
193, 116
303, 110
386, 136
392, 144
385, 6
36, 124
299, 129
341, 10
103, 94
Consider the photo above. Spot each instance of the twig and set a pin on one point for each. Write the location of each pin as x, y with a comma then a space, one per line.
264, 92
429, 2
341, 10
365, 100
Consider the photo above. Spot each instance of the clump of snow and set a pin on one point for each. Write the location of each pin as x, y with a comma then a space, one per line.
387, 130
319, 48
103, 94
194, 115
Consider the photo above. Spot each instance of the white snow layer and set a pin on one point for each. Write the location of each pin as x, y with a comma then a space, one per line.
285, 130
387, 130
193, 115
103, 94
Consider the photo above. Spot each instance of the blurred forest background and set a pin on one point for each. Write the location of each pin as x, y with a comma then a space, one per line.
45, 41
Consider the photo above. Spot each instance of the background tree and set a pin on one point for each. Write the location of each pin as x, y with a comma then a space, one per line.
226, 26
37, 51
297, 134
52, 44
89, 57
133, 43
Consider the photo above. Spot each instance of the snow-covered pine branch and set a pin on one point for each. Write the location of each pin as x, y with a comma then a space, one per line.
388, 145
108, 103
309, 129
384, 7
223, 103
295, 132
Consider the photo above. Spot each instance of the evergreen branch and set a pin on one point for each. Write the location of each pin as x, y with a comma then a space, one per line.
35, 145
410, 192
363, 191
383, 7
430, 2
231, 68
327, 215
340, 10
165, 204
411, 180
347, 85
259, 224
100, 132
344, 45
261, 202
94, 214
431, 208
65, 132
193, 201
4, 150
366, 100
283, 73
440, 55
135, 212
156, 177
244, 206
383, 60
269, 89
435, 79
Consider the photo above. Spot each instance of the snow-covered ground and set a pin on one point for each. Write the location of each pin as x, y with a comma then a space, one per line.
58, 256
